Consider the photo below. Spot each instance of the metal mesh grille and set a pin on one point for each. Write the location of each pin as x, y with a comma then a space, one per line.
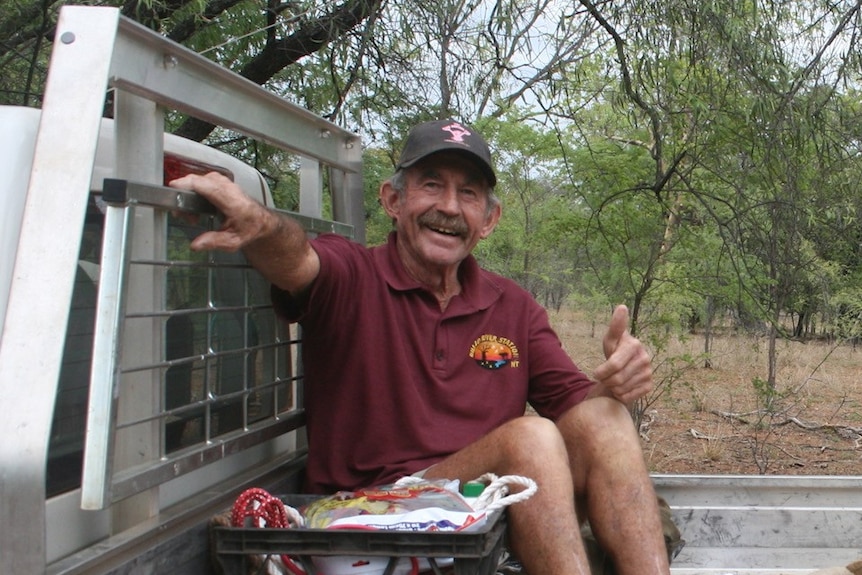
190, 363
226, 361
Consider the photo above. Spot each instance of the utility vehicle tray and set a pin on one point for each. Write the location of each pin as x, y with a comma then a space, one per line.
475, 553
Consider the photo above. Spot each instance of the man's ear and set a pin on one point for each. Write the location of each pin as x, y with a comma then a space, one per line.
389, 198
491, 221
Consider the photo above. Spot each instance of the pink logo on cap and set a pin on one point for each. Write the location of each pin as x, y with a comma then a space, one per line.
457, 131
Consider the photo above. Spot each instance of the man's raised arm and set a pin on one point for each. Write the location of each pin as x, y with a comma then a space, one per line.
274, 244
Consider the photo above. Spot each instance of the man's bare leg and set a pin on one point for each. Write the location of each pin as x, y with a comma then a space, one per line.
613, 486
544, 532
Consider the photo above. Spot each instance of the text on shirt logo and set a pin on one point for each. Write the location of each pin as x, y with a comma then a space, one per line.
493, 352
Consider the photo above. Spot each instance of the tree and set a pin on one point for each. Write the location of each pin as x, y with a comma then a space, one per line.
735, 125
527, 245
690, 159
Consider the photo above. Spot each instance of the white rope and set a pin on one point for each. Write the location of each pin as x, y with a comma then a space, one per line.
496, 493
408, 480
294, 517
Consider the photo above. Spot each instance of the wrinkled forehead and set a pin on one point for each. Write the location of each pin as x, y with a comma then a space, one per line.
451, 163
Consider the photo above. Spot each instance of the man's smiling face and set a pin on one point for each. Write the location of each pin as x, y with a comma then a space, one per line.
443, 212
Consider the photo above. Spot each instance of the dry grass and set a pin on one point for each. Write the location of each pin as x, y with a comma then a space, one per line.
716, 420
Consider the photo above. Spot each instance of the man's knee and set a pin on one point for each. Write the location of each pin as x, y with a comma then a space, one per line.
597, 422
528, 445
532, 431
530, 440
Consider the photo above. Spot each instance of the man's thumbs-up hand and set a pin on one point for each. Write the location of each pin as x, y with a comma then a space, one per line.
626, 373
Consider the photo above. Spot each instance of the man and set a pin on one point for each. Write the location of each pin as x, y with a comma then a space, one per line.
419, 361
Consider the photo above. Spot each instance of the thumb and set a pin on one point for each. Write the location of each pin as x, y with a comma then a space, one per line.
617, 328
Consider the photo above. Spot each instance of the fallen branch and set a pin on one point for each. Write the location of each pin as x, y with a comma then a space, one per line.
698, 435
844, 431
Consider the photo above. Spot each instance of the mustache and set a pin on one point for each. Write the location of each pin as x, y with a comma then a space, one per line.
434, 219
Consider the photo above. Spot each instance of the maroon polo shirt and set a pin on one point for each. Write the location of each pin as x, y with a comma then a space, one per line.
393, 384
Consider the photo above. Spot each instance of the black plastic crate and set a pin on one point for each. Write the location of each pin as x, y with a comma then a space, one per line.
475, 553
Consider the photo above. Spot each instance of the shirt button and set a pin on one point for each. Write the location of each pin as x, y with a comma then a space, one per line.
439, 355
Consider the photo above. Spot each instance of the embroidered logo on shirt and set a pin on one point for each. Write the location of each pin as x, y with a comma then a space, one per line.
494, 352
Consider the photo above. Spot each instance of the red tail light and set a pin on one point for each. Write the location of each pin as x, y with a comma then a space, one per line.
179, 166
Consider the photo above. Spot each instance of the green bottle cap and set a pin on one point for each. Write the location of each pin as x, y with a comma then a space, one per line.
473, 489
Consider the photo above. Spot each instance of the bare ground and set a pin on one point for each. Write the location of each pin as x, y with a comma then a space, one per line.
722, 420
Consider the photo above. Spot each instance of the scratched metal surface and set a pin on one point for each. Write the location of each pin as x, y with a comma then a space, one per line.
764, 525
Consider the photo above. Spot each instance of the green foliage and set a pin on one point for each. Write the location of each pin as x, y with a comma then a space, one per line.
766, 393
377, 167
669, 374
687, 159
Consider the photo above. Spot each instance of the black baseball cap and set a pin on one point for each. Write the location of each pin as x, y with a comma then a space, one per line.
439, 135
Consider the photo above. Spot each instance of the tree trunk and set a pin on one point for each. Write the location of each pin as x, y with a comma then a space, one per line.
279, 54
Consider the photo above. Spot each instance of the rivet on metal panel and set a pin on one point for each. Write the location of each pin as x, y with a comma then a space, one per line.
325, 134
349, 143
170, 61
67, 37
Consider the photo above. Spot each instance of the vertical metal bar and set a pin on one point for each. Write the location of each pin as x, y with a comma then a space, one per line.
348, 192
39, 301
247, 357
139, 136
210, 375
102, 407
310, 188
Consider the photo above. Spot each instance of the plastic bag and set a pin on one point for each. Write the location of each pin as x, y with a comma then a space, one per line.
419, 506
415, 506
